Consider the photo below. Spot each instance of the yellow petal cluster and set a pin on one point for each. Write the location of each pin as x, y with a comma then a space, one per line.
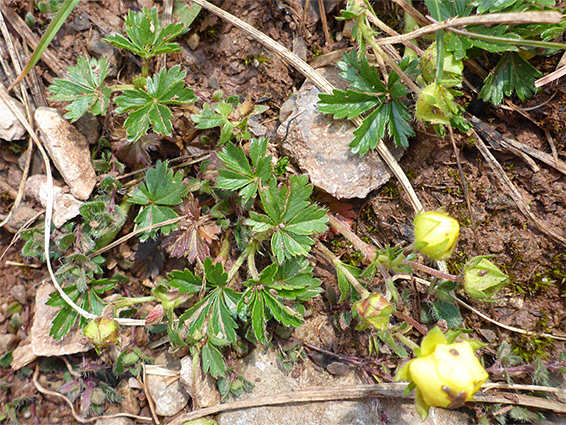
445, 375
436, 234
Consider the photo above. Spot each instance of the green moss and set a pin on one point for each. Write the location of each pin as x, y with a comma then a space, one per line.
531, 347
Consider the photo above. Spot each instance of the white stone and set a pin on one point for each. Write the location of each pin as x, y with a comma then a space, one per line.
10, 127
68, 149
65, 206
200, 386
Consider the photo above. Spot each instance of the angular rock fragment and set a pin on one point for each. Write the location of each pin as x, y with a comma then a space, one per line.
40, 343
319, 144
10, 127
200, 386
68, 149
65, 206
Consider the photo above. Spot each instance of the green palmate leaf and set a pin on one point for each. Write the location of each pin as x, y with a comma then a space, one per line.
88, 299
212, 361
162, 188
360, 74
290, 218
392, 114
445, 310
237, 172
294, 280
261, 302
185, 281
347, 104
216, 116
398, 124
146, 37
149, 105
512, 74
83, 88
343, 283
217, 309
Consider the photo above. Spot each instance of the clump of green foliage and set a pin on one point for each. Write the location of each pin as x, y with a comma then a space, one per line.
381, 100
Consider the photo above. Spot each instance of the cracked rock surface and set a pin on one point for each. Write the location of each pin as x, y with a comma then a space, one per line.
68, 149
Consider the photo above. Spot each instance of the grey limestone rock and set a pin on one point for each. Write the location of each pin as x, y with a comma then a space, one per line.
319, 145
68, 149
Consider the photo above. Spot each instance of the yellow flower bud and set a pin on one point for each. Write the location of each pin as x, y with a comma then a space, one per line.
374, 312
445, 375
102, 332
436, 234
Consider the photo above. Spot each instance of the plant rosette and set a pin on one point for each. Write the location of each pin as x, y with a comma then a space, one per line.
443, 375
482, 278
436, 234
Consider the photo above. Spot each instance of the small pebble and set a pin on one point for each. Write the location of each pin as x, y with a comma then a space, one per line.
19, 293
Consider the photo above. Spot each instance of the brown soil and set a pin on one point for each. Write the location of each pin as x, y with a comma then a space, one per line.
534, 298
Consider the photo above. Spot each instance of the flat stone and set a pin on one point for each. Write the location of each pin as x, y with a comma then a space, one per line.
319, 145
130, 403
10, 127
200, 386
40, 343
19, 293
44, 344
68, 149
65, 206
114, 421
169, 397
262, 369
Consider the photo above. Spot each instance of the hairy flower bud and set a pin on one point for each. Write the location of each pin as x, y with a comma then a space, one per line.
482, 278
374, 312
102, 332
436, 234
445, 375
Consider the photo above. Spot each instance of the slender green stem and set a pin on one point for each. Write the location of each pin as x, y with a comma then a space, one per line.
122, 87
126, 302
145, 69
236, 266
364, 293
252, 267
250, 250
367, 250
433, 272
406, 341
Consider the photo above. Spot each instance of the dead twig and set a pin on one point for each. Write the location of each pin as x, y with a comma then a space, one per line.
48, 57
491, 19
352, 392
464, 185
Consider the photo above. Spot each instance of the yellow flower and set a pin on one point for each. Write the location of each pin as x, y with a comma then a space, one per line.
445, 375
436, 234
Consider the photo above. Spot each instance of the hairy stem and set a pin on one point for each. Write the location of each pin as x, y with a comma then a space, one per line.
364, 293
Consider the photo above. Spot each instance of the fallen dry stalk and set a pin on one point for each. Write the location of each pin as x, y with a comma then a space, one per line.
352, 392
491, 19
